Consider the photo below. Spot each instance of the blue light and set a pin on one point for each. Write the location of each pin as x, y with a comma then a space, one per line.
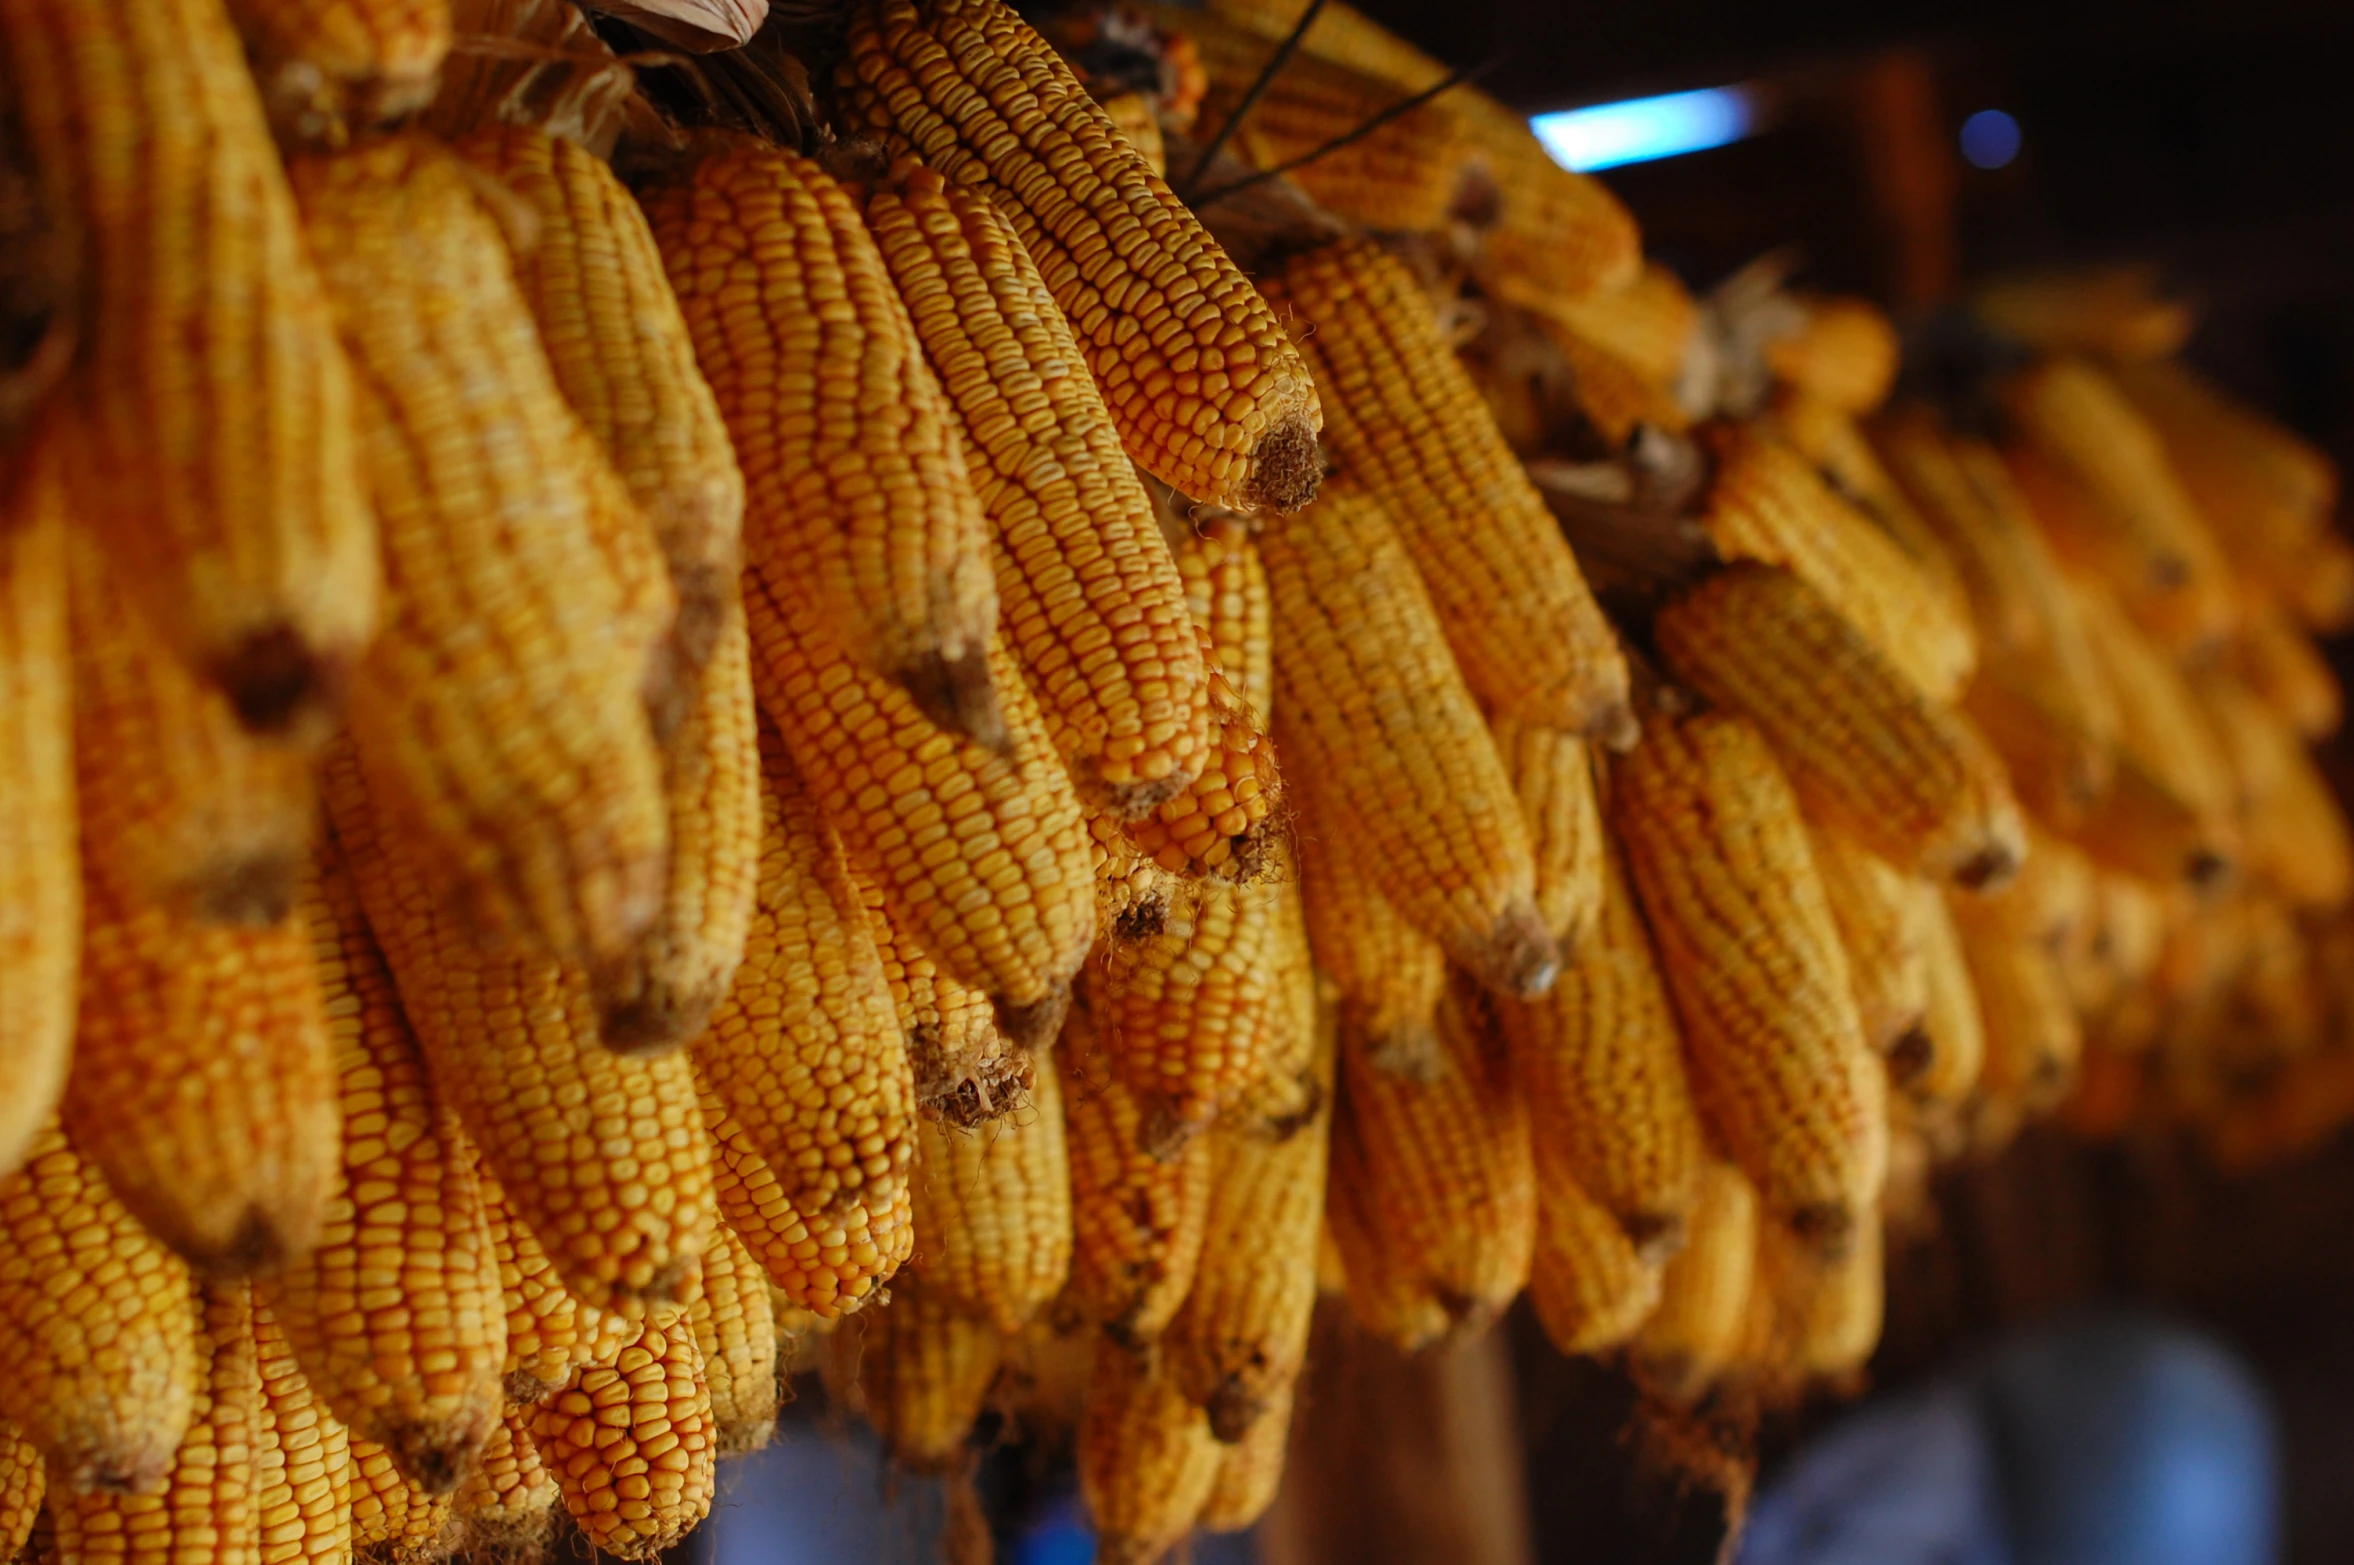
1990, 138
1640, 129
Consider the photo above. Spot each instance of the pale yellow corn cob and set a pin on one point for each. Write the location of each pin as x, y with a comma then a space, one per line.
1590, 1284
1390, 975
1881, 914
1147, 1461
506, 1508
2033, 1037
393, 1519
1843, 353
1226, 592
735, 1331
1952, 1022
2294, 830
1251, 1472
923, 1372
2284, 666
302, 1462
993, 1209
1704, 1294
1554, 775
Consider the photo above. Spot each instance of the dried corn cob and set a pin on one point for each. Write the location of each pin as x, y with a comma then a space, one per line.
601, 1155
1836, 445
1554, 775
1133, 894
1590, 1283
1704, 1294
633, 1448
624, 359
2282, 665
1952, 1022
218, 448
1432, 1196
1389, 975
1187, 1013
993, 1209
1133, 114
1768, 505
1093, 605
1870, 755
2145, 828
1206, 389
1136, 1220
1780, 1068
96, 1324
40, 887
1554, 232
396, 1316
1292, 1087
1250, 1472
1647, 325
184, 808
1403, 769
203, 1081
735, 1331
1226, 592
1408, 422
807, 1049
966, 1072
826, 1265
549, 1332
1843, 353
2295, 832
393, 1519
860, 509
1222, 824
2161, 725
1882, 915
500, 711
208, 1506
506, 1508
685, 964
1828, 1311
1600, 1061
329, 67
23, 1485
302, 1462
1147, 1461
924, 1371
2118, 312
2033, 1037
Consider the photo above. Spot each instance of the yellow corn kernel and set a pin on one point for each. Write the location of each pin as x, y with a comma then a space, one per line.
993, 1209
1205, 387
1147, 1461
807, 1050
1704, 1294
1843, 352
923, 1372
1432, 1196
1293, 1085
2033, 1036
1389, 975
219, 448
23, 1485
396, 1315
1870, 755
97, 1326
184, 808
1250, 1472
1238, 1345
1400, 768
1139, 122
966, 1071
506, 1507
1554, 775
207, 1505
980, 854
549, 1332
1093, 605
502, 708
1226, 592
1600, 1063
633, 1448
393, 1519
735, 1331
40, 884
826, 1265
624, 359
1409, 424
1133, 894
1768, 505
1952, 1024
1187, 1013
1780, 1069
329, 67
601, 1155
2284, 667
860, 511
1590, 1284
1222, 825
2294, 830
1136, 1219
1827, 1311
302, 1462
1881, 914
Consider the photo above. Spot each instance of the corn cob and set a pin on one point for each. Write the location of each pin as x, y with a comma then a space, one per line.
602, 1156
1134, 116
2161, 726
1609, 394
981, 855
1093, 605
1704, 1294
807, 1049
549, 1332
184, 808
393, 1520
506, 1507
623, 358
1647, 325
1226, 592
735, 1331
2295, 832
1881, 914
96, 1324
208, 1504
825, 1265
396, 1316
1869, 754
1769, 506
1600, 1062
1403, 768
23, 1485
2033, 1037
302, 1462
1843, 353
1147, 1461
517, 748
1830, 1311
1590, 1284
40, 888
1206, 389
923, 1374
1836, 445
966, 1072
1432, 1196
860, 508
1251, 1471
216, 439
329, 67
2323, 592
993, 1209
2116, 312
1238, 1344
1220, 825
1952, 1023
2282, 665
1137, 1220
1133, 895
1780, 1069
203, 1080
1293, 1086
633, 1448
1555, 232
1553, 773
1390, 977
1408, 422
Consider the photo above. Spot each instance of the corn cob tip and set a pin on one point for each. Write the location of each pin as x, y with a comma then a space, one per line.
1035, 1025
279, 684
1615, 727
1909, 1057
1287, 468
958, 694
967, 1098
1519, 957
639, 1017
432, 1459
1829, 1228
1992, 866
1235, 1407
1656, 1236
254, 890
